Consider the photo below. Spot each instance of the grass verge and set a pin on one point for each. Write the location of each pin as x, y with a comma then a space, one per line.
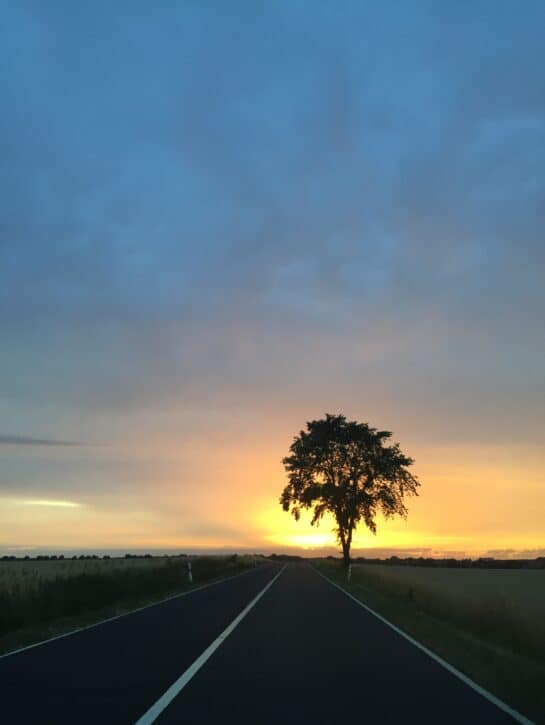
36, 610
513, 674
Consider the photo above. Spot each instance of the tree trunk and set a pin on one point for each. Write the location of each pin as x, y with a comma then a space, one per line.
347, 543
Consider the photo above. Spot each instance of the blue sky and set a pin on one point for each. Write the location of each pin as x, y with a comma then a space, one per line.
221, 220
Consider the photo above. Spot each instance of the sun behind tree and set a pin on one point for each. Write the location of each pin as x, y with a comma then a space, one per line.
344, 468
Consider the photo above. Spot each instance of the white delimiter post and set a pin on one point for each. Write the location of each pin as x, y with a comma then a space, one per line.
189, 573
349, 573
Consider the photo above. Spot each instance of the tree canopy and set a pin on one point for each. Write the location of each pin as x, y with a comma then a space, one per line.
347, 469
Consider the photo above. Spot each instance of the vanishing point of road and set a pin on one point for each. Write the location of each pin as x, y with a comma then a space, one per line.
273, 645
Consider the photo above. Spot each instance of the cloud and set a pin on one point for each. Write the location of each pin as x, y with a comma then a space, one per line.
211, 530
18, 440
516, 553
50, 503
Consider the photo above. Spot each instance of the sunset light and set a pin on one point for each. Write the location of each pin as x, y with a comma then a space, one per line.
335, 220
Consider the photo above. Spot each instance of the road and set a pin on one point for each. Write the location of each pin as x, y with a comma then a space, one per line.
304, 653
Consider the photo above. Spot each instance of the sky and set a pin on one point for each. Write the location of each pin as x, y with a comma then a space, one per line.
222, 220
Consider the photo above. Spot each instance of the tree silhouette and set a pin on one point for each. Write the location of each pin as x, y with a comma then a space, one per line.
344, 468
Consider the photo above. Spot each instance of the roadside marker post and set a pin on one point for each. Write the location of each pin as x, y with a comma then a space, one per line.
349, 573
189, 573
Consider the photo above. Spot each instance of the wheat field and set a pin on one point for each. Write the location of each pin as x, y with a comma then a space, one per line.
508, 604
34, 592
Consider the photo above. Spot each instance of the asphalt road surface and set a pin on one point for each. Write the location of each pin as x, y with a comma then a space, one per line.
303, 653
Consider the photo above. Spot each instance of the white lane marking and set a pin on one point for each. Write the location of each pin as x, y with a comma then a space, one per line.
125, 614
157, 708
460, 675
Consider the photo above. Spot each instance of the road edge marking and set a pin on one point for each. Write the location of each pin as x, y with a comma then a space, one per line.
517, 716
166, 698
125, 614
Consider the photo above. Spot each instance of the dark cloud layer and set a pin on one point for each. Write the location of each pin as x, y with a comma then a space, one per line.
18, 440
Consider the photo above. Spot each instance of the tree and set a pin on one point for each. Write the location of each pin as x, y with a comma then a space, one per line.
346, 469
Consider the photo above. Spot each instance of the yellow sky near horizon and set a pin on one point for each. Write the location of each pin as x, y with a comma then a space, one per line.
473, 500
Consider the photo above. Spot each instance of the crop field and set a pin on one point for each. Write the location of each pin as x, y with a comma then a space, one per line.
30, 573
523, 589
501, 604
34, 594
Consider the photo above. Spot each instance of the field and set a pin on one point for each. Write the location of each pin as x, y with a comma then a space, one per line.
43, 598
507, 605
489, 623
29, 573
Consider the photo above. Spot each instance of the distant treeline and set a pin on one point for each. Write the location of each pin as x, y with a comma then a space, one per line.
87, 557
94, 557
481, 563
449, 563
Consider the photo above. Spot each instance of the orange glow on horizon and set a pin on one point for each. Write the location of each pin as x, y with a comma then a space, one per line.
466, 505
